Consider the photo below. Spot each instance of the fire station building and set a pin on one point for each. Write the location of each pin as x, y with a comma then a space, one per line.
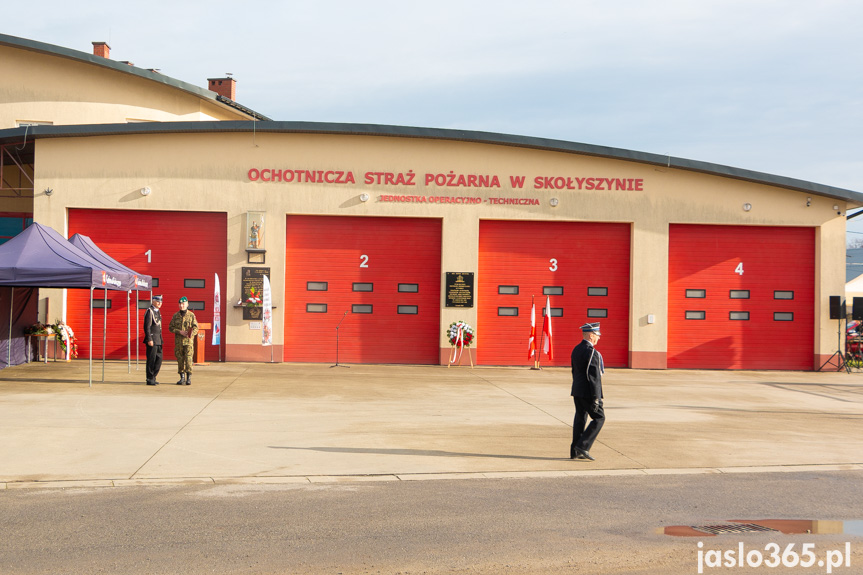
393, 233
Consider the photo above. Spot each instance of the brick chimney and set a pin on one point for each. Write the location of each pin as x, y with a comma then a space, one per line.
101, 49
226, 87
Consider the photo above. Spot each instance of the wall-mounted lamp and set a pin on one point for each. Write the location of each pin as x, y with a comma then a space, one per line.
145, 191
747, 206
364, 197
48, 191
553, 202
838, 211
808, 202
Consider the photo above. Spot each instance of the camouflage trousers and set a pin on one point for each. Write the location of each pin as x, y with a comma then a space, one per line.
183, 353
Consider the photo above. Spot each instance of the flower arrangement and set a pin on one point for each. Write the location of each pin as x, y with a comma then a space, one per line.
254, 299
467, 335
66, 337
61, 332
38, 329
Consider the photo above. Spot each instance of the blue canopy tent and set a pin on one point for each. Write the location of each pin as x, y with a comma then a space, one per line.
140, 283
41, 257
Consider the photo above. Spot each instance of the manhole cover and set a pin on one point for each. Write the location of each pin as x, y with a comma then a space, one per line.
732, 528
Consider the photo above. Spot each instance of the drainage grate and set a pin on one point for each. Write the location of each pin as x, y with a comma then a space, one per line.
732, 528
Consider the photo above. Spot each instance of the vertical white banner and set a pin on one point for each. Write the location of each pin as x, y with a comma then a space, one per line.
267, 324
217, 313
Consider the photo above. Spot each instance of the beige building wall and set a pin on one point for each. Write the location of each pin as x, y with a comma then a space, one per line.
44, 88
210, 172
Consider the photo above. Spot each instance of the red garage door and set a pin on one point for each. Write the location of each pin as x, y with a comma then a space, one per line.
181, 250
582, 266
741, 297
378, 279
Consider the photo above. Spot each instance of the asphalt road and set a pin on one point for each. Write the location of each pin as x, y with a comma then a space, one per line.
480, 526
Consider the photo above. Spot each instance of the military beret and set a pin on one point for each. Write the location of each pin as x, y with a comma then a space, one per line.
184, 298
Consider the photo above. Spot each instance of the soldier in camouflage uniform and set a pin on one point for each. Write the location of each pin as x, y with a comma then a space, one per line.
184, 326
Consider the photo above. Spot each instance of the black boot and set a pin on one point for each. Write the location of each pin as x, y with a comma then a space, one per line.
182, 379
188, 379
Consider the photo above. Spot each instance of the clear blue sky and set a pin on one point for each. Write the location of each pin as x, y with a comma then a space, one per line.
772, 86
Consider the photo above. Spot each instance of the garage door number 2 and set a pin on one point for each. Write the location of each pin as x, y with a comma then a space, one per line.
739, 269
364, 261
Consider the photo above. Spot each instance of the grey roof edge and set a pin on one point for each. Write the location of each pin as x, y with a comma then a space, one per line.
60, 51
20, 135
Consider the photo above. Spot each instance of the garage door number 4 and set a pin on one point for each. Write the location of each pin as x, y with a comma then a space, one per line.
739, 269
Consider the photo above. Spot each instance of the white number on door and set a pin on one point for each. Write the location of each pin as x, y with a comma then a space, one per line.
149, 256
364, 261
553, 266
739, 269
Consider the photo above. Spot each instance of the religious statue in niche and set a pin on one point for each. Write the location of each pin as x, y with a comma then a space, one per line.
255, 230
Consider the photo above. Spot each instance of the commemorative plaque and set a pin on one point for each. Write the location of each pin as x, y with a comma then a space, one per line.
253, 287
459, 289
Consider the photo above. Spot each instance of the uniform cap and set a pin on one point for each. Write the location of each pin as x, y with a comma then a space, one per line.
591, 328
157, 298
184, 298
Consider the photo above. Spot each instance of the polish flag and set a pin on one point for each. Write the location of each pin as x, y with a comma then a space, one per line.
546, 330
531, 342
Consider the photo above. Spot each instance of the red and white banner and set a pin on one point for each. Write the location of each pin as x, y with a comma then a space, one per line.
531, 341
547, 347
267, 324
217, 313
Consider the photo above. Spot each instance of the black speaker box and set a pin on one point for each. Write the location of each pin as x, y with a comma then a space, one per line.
836, 307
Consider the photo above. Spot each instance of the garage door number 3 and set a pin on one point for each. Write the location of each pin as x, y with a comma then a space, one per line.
553, 266
739, 269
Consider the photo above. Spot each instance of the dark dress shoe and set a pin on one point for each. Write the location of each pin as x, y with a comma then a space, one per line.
152, 383
582, 454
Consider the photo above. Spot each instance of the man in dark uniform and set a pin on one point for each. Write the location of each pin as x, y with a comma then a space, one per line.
587, 370
153, 339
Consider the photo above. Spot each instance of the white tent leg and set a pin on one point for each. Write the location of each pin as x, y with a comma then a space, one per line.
104, 331
137, 323
91, 336
128, 335
11, 308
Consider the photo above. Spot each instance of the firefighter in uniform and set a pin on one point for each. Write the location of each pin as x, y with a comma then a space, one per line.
184, 326
587, 370
153, 339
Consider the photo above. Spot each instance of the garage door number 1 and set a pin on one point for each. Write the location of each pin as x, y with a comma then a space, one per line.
739, 269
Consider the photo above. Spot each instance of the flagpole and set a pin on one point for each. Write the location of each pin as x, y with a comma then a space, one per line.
539, 351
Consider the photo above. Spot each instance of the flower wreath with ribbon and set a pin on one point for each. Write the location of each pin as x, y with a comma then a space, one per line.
460, 336
66, 337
